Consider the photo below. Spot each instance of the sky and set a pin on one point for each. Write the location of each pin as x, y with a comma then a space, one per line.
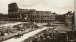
58, 6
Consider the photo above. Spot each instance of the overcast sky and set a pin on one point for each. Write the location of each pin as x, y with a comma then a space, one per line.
58, 6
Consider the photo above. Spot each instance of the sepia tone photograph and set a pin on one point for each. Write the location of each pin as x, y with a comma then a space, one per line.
37, 21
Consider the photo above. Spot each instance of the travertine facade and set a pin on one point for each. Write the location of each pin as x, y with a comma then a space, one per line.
31, 15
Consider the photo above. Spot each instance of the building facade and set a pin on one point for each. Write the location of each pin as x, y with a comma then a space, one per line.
30, 15
69, 19
16, 14
42, 16
60, 18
